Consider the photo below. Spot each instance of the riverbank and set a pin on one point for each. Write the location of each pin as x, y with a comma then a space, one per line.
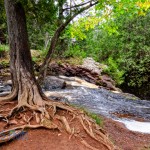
119, 135
124, 138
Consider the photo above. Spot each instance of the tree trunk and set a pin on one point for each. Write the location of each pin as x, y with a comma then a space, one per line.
25, 87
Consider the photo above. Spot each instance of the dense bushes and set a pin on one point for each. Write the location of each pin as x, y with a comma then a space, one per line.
125, 50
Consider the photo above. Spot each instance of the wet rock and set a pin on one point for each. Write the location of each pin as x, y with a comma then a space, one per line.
52, 83
75, 81
83, 73
4, 93
104, 102
5, 88
61, 82
97, 100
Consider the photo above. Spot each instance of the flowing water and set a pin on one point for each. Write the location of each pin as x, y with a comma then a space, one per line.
117, 106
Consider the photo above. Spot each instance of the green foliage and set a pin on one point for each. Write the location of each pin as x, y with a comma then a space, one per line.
43, 53
3, 27
75, 51
3, 47
136, 53
35, 59
117, 33
123, 43
97, 119
94, 116
5, 63
113, 71
41, 17
78, 29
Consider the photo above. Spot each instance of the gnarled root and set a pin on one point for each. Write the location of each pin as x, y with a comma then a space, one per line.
48, 116
101, 138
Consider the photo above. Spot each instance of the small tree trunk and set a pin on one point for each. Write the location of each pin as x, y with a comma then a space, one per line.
55, 38
47, 39
23, 78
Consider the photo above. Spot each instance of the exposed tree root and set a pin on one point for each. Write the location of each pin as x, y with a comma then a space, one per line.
6, 103
102, 139
66, 124
46, 114
87, 145
29, 93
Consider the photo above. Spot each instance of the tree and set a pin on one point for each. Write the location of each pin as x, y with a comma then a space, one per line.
74, 11
27, 90
2, 23
20, 63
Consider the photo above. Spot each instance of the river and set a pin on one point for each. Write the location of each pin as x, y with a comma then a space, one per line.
135, 114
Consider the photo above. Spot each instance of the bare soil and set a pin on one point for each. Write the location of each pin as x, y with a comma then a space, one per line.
124, 138
44, 139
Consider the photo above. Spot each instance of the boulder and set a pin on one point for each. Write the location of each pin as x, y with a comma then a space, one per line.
52, 83
95, 67
89, 74
61, 82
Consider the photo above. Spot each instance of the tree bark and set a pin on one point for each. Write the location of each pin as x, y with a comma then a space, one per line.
25, 87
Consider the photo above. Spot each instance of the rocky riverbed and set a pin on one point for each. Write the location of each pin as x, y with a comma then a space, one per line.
122, 107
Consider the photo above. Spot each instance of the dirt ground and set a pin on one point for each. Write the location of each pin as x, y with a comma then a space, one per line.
125, 139
43, 139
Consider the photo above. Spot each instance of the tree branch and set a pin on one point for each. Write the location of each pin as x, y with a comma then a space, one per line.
44, 66
78, 5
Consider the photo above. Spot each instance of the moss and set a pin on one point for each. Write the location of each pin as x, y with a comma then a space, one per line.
94, 116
